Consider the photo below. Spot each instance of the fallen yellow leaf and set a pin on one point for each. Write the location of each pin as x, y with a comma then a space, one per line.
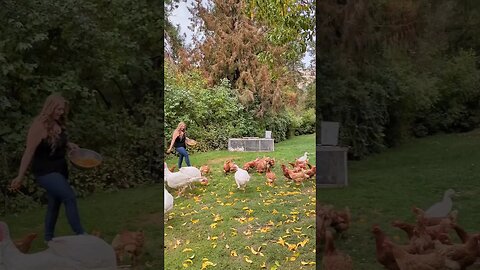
213, 225
308, 263
207, 263
187, 250
264, 265
247, 259
194, 221
292, 247
303, 243
281, 241
233, 253
265, 229
187, 263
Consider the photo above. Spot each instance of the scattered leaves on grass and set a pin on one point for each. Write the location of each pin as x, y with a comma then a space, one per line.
206, 263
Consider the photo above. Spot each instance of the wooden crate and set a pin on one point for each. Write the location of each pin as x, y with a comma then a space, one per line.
331, 166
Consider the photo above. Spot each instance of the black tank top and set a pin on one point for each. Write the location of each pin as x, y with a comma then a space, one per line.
180, 142
45, 161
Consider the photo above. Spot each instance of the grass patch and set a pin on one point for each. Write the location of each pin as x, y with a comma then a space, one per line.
384, 187
139, 208
212, 223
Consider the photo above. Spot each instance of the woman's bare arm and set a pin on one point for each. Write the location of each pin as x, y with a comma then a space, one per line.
174, 137
35, 136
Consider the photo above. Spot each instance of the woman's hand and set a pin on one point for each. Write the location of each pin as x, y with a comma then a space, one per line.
16, 183
169, 150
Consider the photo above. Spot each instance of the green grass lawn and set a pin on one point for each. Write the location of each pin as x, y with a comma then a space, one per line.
232, 229
384, 187
255, 219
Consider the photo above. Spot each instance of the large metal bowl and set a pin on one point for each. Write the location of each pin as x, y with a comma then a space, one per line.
191, 142
83, 158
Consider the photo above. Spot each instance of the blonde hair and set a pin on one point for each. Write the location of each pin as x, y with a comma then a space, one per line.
179, 125
46, 117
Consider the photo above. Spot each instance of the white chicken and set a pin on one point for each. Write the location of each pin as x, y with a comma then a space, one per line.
77, 252
241, 177
304, 157
191, 171
443, 208
181, 180
167, 201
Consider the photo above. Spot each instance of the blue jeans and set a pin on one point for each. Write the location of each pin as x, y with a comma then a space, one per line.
182, 153
58, 192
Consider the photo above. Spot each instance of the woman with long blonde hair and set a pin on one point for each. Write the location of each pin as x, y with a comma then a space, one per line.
46, 147
179, 137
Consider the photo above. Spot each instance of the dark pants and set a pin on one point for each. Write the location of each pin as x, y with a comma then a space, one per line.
58, 192
182, 153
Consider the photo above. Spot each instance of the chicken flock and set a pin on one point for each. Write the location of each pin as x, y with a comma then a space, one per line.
185, 177
435, 240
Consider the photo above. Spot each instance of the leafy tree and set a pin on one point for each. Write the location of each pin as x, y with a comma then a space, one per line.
236, 48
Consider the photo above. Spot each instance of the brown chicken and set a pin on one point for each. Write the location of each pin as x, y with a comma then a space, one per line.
421, 242
323, 221
301, 164
406, 261
261, 166
295, 168
129, 243
24, 244
341, 220
436, 232
298, 177
464, 254
464, 236
204, 169
228, 166
384, 253
285, 172
408, 228
332, 258
271, 177
251, 164
311, 172
271, 162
